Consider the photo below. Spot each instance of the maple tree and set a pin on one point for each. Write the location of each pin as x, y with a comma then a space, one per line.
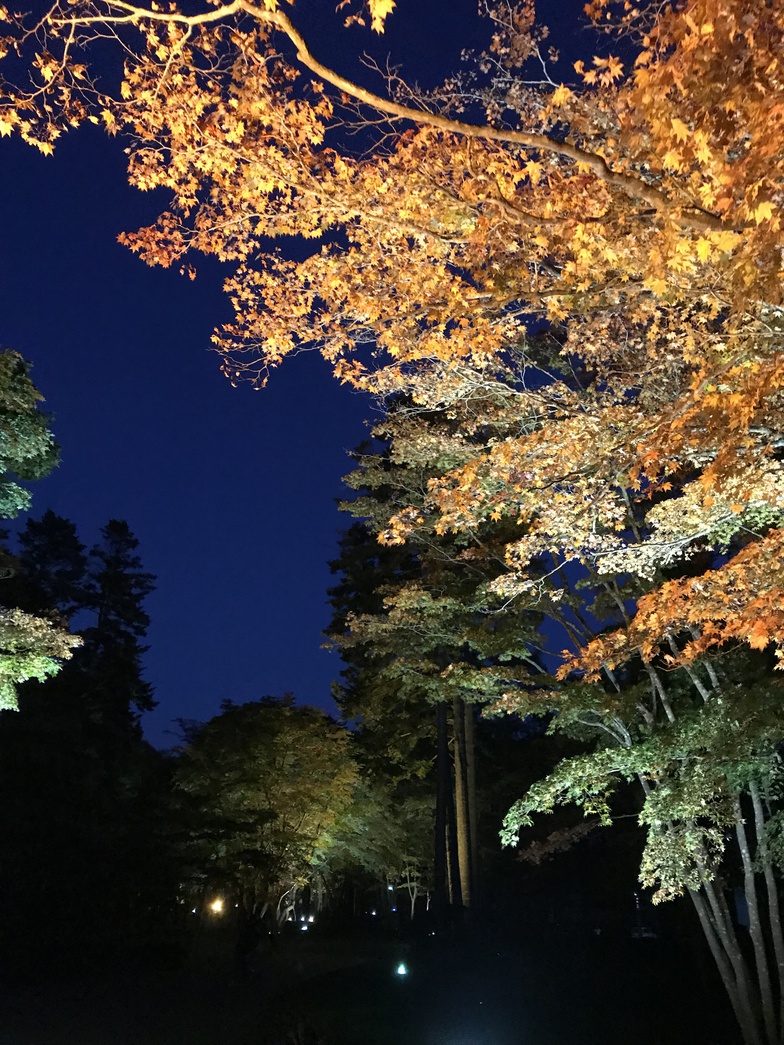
638, 208
635, 212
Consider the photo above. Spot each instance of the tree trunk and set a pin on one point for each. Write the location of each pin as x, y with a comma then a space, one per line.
774, 916
742, 996
462, 814
755, 927
473, 819
443, 786
745, 1021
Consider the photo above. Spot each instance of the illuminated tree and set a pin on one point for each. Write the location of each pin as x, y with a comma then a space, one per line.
637, 209
31, 647
266, 782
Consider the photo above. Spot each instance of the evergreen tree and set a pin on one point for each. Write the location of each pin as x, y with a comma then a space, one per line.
85, 867
117, 588
52, 567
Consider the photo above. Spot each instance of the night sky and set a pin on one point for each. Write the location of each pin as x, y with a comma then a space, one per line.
232, 493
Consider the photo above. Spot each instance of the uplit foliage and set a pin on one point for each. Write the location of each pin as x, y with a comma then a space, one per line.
637, 214
30, 647
267, 782
27, 447
638, 208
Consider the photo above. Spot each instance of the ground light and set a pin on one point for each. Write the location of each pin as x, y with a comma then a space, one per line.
402, 969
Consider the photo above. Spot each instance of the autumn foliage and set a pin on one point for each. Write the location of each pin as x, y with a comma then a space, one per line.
578, 284
638, 208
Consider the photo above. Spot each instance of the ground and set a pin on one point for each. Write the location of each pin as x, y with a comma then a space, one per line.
320, 989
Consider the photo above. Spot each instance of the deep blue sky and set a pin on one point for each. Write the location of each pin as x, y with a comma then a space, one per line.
230, 492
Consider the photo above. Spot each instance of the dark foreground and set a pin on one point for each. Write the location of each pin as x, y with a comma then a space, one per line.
318, 990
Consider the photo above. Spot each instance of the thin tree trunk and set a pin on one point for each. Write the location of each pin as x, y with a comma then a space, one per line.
746, 1024
729, 941
462, 818
771, 886
443, 784
453, 861
473, 819
755, 927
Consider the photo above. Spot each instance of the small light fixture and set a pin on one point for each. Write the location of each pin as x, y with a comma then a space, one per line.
402, 970
217, 906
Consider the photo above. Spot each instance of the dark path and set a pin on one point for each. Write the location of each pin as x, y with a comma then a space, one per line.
567, 992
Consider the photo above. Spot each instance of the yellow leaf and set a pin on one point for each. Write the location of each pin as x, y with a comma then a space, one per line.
682, 132
763, 212
560, 95
672, 160
379, 12
725, 240
534, 171
657, 285
704, 248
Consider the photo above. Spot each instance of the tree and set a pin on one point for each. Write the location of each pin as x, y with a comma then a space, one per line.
267, 782
28, 450
31, 647
638, 210
422, 639
385, 837
87, 871
53, 566
117, 588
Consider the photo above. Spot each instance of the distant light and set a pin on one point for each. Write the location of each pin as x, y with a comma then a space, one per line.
402, 970
302, 917
236, 905
193, 911
394, 909
304, 927
217, 906
390, 888
373, 913
310, 919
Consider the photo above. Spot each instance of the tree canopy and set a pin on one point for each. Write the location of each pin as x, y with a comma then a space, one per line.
583, 280
268, 781
31, 647
636, 207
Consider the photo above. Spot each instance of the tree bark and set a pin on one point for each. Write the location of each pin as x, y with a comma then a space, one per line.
755, 927
462, 815
771, 885
473, 819
443, 784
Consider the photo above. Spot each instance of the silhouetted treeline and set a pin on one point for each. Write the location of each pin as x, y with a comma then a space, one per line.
84, 871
